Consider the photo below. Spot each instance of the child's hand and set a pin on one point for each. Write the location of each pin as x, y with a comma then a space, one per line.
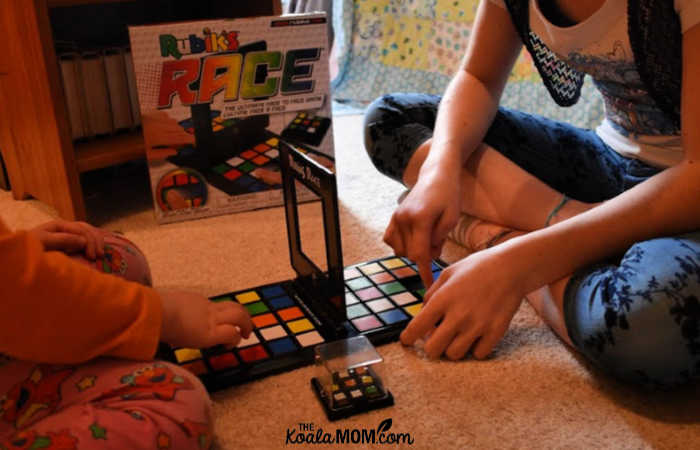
192, 320
469, 307
160, 129
71, 237
419, 226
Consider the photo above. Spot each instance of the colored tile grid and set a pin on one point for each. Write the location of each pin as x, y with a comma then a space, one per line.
350, 388
280, 328
383, 292
217, 123
240, 169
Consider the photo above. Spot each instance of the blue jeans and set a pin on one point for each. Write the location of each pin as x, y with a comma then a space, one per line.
637, 317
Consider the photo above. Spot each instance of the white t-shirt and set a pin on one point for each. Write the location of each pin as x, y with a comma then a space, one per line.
600, 47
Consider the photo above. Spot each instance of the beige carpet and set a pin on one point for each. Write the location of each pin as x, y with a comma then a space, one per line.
533, 392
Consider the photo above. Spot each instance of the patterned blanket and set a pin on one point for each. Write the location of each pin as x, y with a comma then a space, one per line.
415, 46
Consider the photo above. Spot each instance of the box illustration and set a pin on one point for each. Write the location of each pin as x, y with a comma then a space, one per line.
217, 96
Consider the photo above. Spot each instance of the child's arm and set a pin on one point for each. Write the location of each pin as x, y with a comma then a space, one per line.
53, 309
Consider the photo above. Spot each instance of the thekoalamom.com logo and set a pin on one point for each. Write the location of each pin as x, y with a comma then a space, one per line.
308, 433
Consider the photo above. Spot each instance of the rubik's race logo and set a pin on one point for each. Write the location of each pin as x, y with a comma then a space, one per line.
237, 74
210, 42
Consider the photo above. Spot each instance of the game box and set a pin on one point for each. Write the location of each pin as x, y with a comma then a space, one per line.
217, 97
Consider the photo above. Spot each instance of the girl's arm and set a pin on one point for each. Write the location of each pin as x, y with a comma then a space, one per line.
477, 297
420, 224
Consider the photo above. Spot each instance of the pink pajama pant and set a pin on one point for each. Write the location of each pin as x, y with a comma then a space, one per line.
105, 403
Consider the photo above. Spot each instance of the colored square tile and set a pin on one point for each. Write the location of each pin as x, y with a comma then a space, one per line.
281, 302
223, 361
309, 339
249, 154
245, 180
252, 339
232, 174
247, 297
371, 268
256, 308
187, 354
221, 168
272, 333
246, 167
393, 263
366, 323
235, 161
380, 305
358, 283
369, 293
404, 272
299, 326
273, 142
413, 310
350, 299
253, 354
272, 291
290, 313
261, 148
404, 298
260, 160
272, 154
382, 277
281, 346
393, 316
264, 320
351, 273
392, 288
356, 311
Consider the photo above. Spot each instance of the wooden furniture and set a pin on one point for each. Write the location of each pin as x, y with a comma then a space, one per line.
42, 160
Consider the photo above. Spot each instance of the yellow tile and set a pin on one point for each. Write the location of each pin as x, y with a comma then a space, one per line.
301, 325
248, 297
187, 354
413, 310
393, 263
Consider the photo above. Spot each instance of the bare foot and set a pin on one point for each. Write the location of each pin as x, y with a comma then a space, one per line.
476, 234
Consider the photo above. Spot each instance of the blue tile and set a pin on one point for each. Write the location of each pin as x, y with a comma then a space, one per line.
280, 346
281, 302
272, 291
392, 316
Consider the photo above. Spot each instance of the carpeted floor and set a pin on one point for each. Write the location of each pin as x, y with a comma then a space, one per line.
533, 393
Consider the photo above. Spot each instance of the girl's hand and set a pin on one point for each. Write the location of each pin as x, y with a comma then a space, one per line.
192, 320
71, 237
419, 226
470, 306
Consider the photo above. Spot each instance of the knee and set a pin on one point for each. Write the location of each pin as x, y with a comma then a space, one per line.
377, 115
641, 320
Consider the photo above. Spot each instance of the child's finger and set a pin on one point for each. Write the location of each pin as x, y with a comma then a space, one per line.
225, 333
233, 314
69, 243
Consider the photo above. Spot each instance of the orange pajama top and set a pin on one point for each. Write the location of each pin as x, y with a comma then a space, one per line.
57, 310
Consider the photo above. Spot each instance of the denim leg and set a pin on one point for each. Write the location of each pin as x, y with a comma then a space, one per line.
395, 126
640, 320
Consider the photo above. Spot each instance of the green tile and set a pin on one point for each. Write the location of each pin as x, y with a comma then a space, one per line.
392, 288
256, 308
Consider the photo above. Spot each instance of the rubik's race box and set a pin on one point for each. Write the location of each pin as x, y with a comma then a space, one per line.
216, 99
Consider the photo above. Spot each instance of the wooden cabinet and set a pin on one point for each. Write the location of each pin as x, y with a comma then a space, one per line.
42, 160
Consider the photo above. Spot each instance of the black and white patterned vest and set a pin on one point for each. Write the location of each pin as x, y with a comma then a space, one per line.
655, 36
